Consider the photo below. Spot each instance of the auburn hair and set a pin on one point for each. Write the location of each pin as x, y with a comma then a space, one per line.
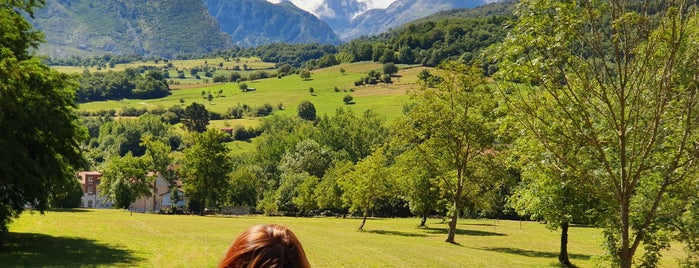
265, 246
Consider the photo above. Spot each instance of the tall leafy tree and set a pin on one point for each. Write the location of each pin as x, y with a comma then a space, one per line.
617, 82
454, 125
366, 184
418, 184
206, 167
195, 118
158, 159
40, 134
125, 179
549, 192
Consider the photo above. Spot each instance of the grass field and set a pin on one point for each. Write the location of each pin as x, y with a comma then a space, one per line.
254, 63
104, 238
386, 99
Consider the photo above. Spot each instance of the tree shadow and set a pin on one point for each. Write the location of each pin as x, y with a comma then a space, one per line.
536, 254
462, 232
70, 210
406, 234
478, 224
40, 250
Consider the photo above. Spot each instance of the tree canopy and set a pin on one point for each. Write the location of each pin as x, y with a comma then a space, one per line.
40, 135
616, 82
454, 125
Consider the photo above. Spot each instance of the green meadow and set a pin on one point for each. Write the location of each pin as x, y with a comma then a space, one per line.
289, 91
253, 63
107, 238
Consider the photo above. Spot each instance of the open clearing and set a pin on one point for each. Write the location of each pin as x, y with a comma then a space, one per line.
85, 237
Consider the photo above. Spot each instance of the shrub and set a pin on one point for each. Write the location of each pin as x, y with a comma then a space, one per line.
348, 99
220, 79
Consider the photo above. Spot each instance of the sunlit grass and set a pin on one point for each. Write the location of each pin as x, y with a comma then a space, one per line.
149, 240
253, 63
289, 91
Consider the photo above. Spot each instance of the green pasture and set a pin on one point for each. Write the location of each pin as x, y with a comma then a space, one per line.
219, 66
386, 99
253, 63
106, 238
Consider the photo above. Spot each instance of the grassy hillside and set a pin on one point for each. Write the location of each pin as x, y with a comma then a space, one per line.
387, 99
223, 66
106, 238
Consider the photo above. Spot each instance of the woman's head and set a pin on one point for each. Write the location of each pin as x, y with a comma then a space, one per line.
265, 246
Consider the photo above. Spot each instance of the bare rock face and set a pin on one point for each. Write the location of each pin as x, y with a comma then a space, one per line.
257, 22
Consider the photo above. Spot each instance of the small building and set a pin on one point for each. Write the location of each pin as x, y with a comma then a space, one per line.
89, 182
160, 197
154, 201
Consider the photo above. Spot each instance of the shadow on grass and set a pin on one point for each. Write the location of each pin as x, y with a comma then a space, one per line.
478, 224
70, 210
384, 232
537, 254
39, 250
462, 232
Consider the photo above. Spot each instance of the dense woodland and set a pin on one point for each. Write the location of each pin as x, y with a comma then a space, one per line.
592, 119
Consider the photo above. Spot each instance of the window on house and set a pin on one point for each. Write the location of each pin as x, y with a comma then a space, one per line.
89, 180
89, 190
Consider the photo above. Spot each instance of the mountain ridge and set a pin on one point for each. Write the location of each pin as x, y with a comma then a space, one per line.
265, 23
168, 28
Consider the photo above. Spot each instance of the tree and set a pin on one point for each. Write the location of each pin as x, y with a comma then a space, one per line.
349, 133
342, 70
390, 68
307, 111
418, 184
305, 74
308, 156
454, 124
243, 190
549, 192
368, 182
243, 87
157, 158
69, 196
125, 179
620, 87
40, 135
205, 169
195, 117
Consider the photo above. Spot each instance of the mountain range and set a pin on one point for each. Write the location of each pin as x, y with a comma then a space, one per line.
350, 18
170, 27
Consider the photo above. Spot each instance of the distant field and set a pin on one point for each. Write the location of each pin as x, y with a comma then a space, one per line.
223, 67
254, 63
386, 99
107, 238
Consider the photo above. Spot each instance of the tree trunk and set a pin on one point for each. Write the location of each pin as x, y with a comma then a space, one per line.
563, 255
454, 218
625, 254
202, 207
424, 218
154, 194
361, 226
